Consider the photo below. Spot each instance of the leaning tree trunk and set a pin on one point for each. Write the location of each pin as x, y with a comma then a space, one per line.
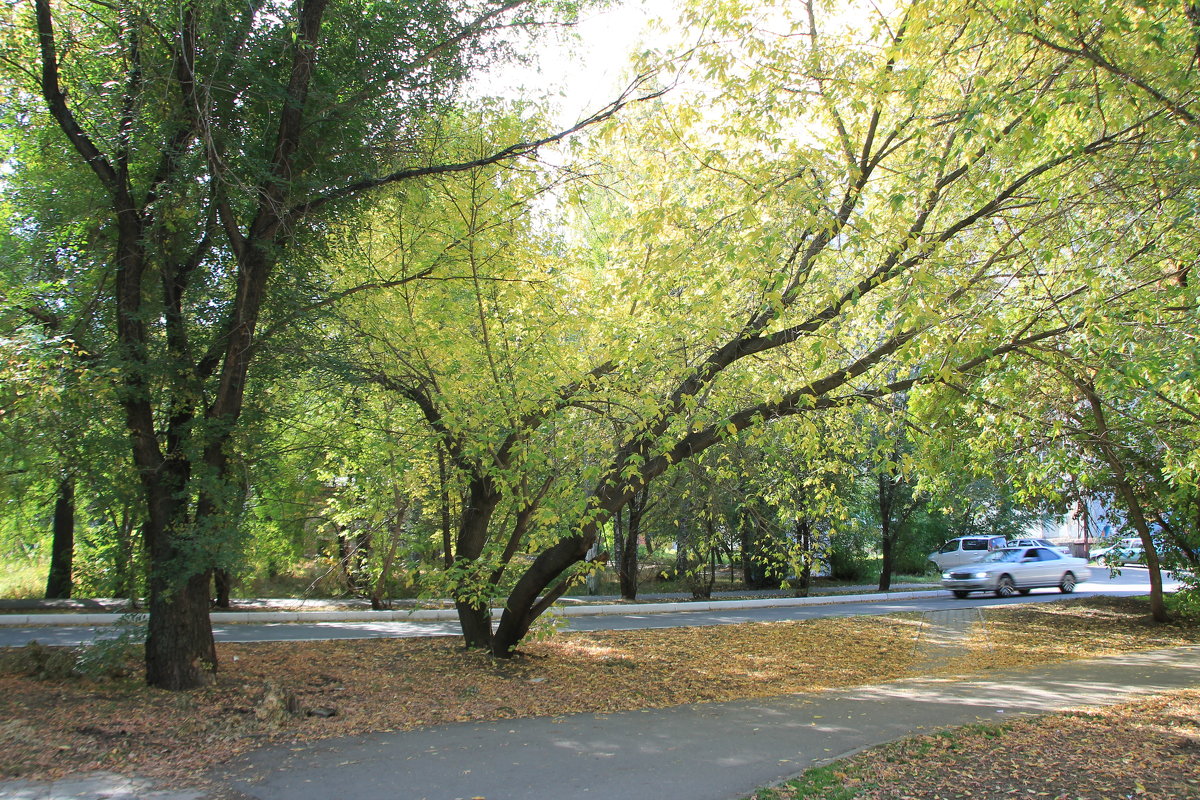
62, 548
1133, 504
536, 590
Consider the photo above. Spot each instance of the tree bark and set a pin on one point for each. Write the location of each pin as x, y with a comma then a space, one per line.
476, 624
1133, 504
474, 616
627, 547
62, 547
444, 509
887, 490
223, 585
804, 541
180, 651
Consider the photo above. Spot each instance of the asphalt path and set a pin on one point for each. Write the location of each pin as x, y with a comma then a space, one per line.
707, 751
1132, 581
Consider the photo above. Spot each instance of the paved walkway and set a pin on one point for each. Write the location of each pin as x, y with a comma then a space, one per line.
713, 751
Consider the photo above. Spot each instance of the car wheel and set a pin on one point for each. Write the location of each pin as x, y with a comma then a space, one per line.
1068, 583
1022, 592
960, 593
1005, 586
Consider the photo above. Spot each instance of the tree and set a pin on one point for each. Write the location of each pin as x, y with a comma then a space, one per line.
213, 143
759, 260
1098, 415
792, 278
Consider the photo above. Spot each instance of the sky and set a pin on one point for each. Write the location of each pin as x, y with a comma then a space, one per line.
581, 72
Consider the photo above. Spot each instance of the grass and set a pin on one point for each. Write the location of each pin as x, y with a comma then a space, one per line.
22, 579
819, 783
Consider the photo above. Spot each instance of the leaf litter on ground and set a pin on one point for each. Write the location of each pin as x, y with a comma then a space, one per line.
267, 692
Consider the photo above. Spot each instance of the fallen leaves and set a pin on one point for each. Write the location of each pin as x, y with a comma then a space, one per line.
51, 728
1135, 750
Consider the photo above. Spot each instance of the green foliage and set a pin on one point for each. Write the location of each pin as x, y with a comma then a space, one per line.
110, 657
850, 559
1185, 603
817, 783
107, 658
22, 576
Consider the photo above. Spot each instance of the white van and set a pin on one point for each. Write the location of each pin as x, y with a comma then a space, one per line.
964, 550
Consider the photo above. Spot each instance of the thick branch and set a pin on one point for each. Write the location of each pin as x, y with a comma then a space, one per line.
57, 103
505, 154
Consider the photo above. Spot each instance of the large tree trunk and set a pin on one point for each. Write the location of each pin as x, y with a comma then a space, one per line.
627, 547
526, 602
475, 616
887, 497
180, 652
62, 548
476, 624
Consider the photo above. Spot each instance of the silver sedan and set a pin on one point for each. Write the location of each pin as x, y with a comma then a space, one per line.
1014, 570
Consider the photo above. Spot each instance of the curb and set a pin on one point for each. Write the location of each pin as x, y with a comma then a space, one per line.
443, 614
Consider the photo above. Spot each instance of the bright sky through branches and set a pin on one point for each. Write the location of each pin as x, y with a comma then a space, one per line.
581, 69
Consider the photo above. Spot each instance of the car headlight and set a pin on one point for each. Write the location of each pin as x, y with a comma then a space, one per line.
979, 574
945, 576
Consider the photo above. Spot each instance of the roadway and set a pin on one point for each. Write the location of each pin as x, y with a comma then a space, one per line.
1132, 581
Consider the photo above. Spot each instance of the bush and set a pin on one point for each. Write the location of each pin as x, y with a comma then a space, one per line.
1185, 603
850, 566
36, 660
115, 657
103, 659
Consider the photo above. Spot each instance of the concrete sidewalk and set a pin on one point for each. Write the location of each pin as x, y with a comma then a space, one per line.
713, 751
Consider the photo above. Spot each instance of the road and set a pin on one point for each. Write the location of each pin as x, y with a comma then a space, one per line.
1132, 581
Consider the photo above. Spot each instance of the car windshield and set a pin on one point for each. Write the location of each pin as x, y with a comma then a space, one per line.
1008, 554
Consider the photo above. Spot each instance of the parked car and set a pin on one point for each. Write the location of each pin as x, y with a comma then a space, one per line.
1066, 551
964, 550
1125, 551
1014, 570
